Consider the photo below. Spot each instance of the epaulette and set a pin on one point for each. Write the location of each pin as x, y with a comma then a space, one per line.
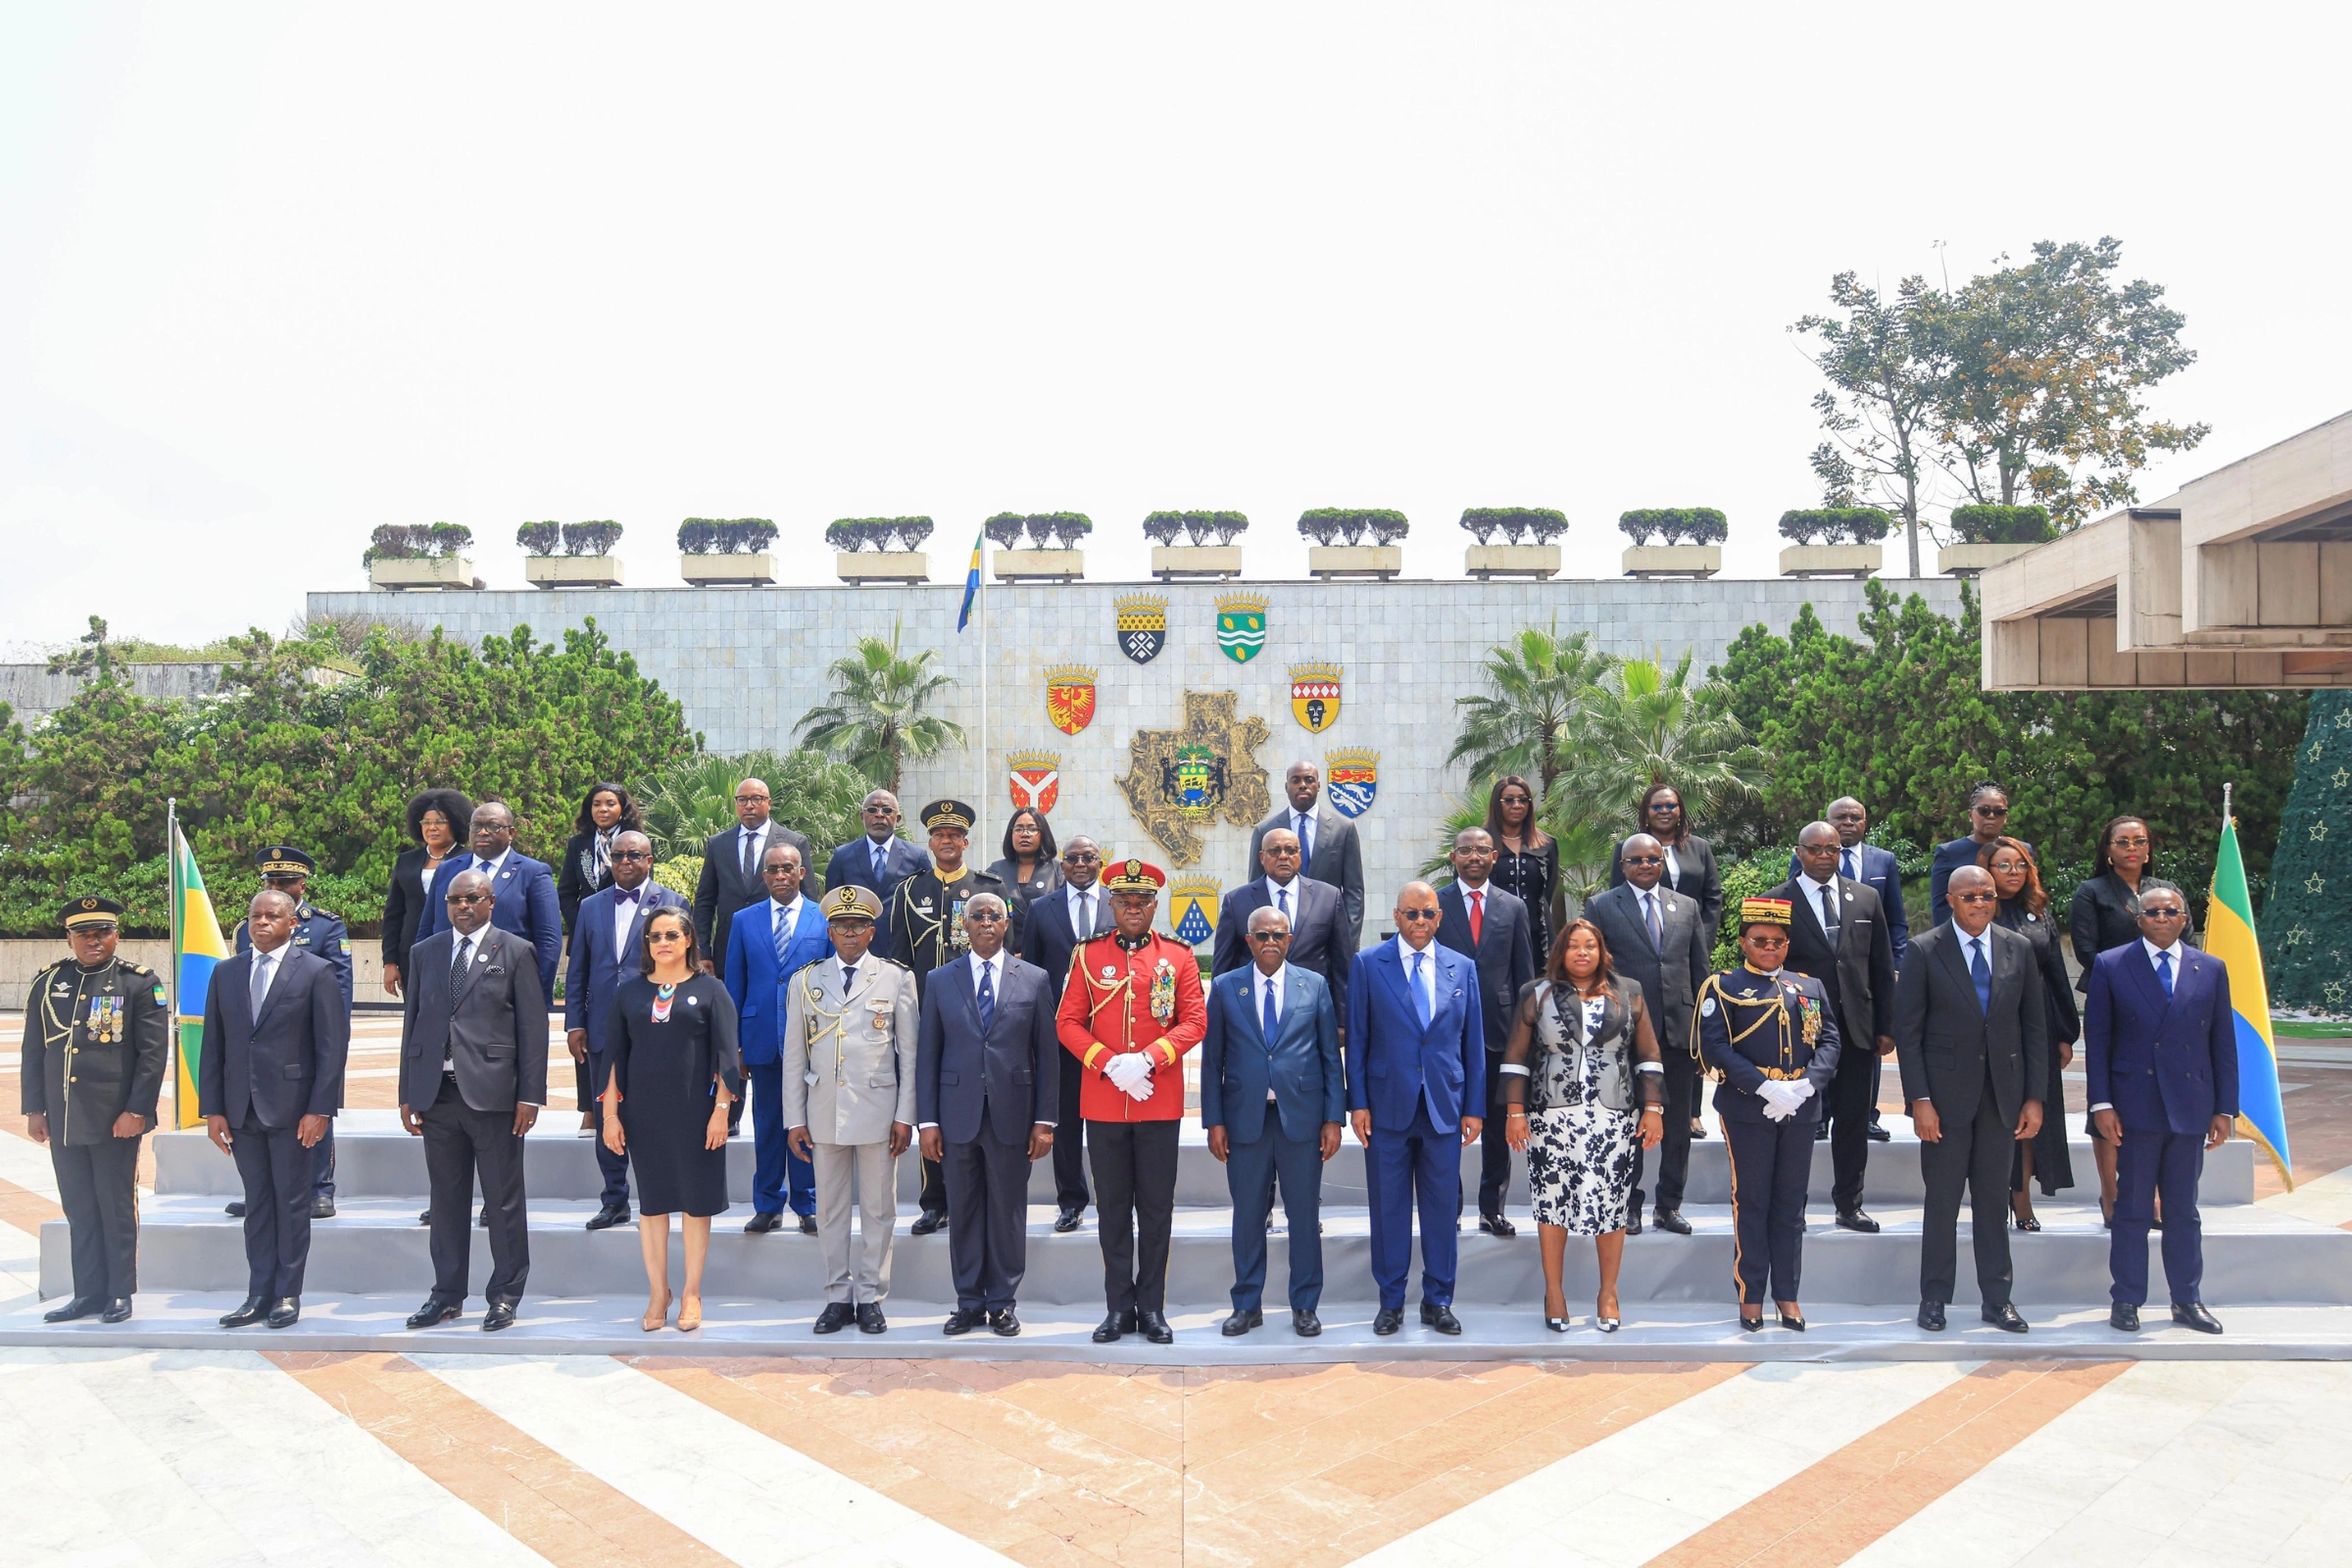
895, 964
130, 967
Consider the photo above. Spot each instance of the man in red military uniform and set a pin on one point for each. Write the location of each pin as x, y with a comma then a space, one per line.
1132, 1009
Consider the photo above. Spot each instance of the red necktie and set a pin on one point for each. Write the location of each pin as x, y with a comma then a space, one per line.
1478, 918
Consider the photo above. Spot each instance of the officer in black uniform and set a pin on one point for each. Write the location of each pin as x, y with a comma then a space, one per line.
97, 1040
287, 869
1769, 1039
922, 928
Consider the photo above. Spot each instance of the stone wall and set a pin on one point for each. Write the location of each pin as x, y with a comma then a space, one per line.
31, 692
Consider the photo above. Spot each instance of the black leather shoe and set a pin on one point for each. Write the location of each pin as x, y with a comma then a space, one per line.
1004, 1324
1671, 1219
836, 1316
760, 1224
1107, 1331
253, 1311
77, 1308
116, 1311
1067, 1222
1633, 1222
606, 1218
808, 1224
285, 1314
1930, 1316
426, 1218
234, 1208
2192, 1315
1387, 1320
962, 1321
2003, 1317
931, 1220
1821, 1131
1698, 1130
1440, 1318
500, 1316
2125, 1316
1241, 1323
870, 1319
1154, 1325
432, 1312
483, 1223
1853, 1219
1496, 1225
1878, 1134
1305, 1325
1752, 1325
321, 1206
1792, 1323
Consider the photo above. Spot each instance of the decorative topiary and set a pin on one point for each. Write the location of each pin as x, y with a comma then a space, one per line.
1541, 524
1677, 526
725, 536
1856, 525
1044, 530
2003, 525
408, 541
591, 538
539, 538
1198, 527
877, 533
1344, 525
698, 536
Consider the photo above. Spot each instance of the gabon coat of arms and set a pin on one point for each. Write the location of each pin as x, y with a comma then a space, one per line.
1181, 779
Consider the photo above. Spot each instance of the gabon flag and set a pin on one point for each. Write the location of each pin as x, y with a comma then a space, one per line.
197, 947
2229, 937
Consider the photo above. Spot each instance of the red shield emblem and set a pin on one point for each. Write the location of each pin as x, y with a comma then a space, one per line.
1034, 779
1070, 697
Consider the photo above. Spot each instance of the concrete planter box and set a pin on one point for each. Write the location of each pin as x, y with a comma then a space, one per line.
1217, 561
728, 571
1966, 561
882, 566
1355, 560
1038, 565
1831, 560
1512, 561
428, 572
1673, 560
571, 571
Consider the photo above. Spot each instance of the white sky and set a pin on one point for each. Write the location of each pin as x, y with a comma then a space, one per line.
270, 275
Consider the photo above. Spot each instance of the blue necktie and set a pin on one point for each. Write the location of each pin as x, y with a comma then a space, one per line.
262, 965
1979, 973
1269, 1020
988, 995
1420, 997
2164, 973
781, 930
881, 854
1657, 930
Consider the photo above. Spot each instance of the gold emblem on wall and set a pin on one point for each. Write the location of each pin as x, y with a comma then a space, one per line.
1178, 778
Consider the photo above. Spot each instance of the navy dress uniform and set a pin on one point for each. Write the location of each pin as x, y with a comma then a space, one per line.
323, 933
1770, 1041
97, 1040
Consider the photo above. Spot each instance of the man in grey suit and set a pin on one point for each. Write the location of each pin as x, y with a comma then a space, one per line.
986, 1094
1493, 929
472, 1077
850, 1024
1660, 937
1272, 1096
730, 876
1972, 1042
1320, 942
270, 1081
1327, 843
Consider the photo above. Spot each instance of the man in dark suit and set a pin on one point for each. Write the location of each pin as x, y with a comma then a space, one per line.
1327, 843
276, 1032
881, 860
2160, 1049
1657, 937
1493, 927
287, 869
1973, 1042
607, 937
524, 889
1877, 870
986, 1095
1273, 1092
1058, 921
1416, 1061
781, 935
472, 1077
730, 876
1321, 938
1839, 936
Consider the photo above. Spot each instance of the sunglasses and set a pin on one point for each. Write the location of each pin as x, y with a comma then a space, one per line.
2163, 914
629, 855
1972, 898
662, 939
1645, 860
1416, 914
1990, 811
473, 898
1269, 936
1080, 858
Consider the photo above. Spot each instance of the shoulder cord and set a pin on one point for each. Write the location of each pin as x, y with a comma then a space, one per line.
1714, 988
835, 1022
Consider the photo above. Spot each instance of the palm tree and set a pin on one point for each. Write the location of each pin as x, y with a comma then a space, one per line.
1536, 683
1641, 725
876, 720
687, 801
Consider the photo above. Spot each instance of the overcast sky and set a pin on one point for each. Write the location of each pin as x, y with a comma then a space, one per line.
270, 275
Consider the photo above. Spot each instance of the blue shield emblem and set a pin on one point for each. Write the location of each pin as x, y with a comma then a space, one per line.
1352, 778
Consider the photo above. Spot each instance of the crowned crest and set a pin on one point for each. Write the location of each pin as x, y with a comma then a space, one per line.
1034, 778
1242, 625
1070, 697
1315, 696
1179, 781
1351, 777
1143, 625
1193, 910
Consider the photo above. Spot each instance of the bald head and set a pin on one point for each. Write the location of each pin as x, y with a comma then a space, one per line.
469, 898
1417, 916
1971, 896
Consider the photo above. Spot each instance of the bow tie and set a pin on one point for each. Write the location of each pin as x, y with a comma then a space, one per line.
624, 896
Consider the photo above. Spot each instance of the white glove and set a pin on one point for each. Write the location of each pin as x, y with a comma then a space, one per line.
1779, 1098
1127, 1071
1801, 1089
1141, 1089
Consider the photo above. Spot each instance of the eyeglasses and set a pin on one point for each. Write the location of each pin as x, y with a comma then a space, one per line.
1645, 860
1416, 914
2130, 843
744, 800
1080, 858
2162, 913
1990, 811
982, 918
1972, 898
629, 855
778, 870
662, 939
473, 898
1269, 936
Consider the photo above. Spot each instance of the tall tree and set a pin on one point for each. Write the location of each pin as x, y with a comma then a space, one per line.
1879, 402
877, 719
2040, 373
1535, 685
2307, 921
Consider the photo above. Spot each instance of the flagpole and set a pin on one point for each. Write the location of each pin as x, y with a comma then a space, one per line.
980, 800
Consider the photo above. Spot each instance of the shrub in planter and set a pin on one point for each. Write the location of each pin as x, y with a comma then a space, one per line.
910, 533
850, 534
1516, 524
397, 541
1675, 525
590, 538
1833, 525
731, 536
1044, 530
2003, 525
1349, 525
539, 538
698, 536
1196, 527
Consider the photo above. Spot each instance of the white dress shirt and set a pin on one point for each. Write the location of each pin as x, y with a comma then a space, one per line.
1279, 894
2154, 953
1823, 893
626, 906
750, 837
1082, 917
489, 869
264, 965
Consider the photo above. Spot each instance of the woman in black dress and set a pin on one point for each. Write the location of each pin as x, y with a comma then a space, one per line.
587, 868
2106, 914
439, 820
1030, 865
1526, 859
2026, 909
673, 1069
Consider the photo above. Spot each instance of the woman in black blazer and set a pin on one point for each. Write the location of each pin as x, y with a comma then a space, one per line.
587, 868
1689, 859
439, 820
1526, 859
2026, 909
2106, 914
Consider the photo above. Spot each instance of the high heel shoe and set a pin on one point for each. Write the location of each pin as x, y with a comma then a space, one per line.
1557, 1325
1753, 1325
1793, 1322
2027, 1222
656, 1315
690, 1314
1606, 1325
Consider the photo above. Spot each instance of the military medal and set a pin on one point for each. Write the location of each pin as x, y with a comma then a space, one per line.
1163, 992
1812, 1009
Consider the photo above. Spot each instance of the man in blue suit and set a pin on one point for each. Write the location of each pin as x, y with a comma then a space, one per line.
1416, 1059
1272, 1092
1875, 869
780, 937
278, 1032
2160, 1049
525, 889
881, 860
607, 937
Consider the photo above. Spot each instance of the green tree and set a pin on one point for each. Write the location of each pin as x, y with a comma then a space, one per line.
688, 801
1879, 406
1536, 684
877, 721
2306, 934
1644, 724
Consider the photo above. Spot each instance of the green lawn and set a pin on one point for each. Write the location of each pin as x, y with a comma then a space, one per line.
2298, 1029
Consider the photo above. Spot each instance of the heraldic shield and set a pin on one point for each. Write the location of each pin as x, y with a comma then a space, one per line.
1070, 697
1352, 778
1241, 626
1142, 626
1034, 779
1315, 696
1193, 910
